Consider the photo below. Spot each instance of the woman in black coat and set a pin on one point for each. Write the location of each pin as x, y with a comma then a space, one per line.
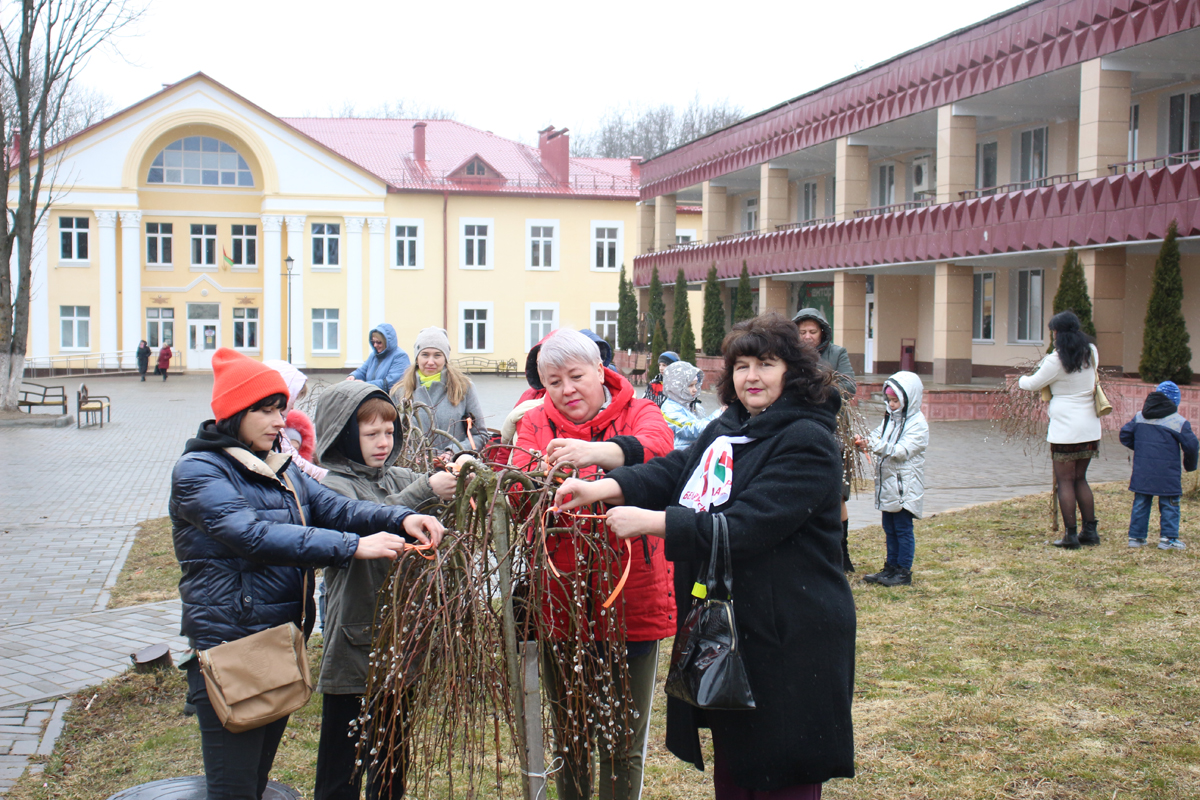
795, 613
248, 528
143, 358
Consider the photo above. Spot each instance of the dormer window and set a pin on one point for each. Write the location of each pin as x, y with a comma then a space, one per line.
476, 168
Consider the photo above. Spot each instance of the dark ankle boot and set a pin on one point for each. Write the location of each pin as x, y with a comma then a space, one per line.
876, 577
899, 577
1070, 540
1089, 534
847, 564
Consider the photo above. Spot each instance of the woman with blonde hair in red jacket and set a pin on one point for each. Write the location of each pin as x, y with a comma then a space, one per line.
591, 419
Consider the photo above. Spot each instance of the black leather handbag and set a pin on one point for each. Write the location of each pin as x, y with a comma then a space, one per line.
706, 665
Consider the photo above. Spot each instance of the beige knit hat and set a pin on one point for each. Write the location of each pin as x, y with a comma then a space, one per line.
432, 337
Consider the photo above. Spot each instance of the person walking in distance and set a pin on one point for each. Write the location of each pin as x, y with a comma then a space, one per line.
164, 360
143, 359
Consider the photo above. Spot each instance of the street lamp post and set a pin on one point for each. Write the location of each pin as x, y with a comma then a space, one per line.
290, 262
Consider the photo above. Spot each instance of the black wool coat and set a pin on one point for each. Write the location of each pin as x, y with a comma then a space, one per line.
795, 612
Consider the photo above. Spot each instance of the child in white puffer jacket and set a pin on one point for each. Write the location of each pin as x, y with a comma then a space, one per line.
898, 446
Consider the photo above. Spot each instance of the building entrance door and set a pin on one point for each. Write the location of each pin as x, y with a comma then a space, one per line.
869, 344
204, 334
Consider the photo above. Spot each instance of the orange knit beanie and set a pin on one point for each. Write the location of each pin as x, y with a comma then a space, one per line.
239, 382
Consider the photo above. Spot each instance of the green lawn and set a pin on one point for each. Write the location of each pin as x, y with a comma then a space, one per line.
1009, 669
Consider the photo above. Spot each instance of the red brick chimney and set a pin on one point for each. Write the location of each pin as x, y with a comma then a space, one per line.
635, 169
555, 149
419, 142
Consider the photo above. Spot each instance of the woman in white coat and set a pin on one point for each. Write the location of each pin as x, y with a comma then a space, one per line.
1074, 434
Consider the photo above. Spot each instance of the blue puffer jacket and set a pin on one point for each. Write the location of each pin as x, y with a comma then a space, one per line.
1156, 436
386, 368
241, 544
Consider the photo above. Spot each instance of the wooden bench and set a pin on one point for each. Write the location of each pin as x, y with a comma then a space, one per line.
94, 405
34, 395
637, 373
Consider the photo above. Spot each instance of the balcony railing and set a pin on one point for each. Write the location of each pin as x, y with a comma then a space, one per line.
1020, 186
892, 208
1155, 162
741, 235
805, 223
115, 363
689, 243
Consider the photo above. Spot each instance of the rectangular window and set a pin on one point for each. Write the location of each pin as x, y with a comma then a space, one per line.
887, 185
158, 243
1134, 114
73, 239
541, 244
606, 245
604, 322
475, 245
245, 246
541, 320
245, 328
325, 330
987, 156
160, 326
325, 240
406, 245
831, 196
750, 214
474, 326
683, 238
1033, 154
983, 304
75, 323
1175, 122
1029, 305
204, 245
808, 201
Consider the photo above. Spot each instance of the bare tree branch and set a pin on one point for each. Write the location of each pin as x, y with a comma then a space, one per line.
646, 132
400, 109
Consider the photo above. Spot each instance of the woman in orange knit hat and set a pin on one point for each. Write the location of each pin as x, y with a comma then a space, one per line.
249, 527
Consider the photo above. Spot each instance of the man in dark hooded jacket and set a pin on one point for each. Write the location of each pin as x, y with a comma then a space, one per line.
816, 331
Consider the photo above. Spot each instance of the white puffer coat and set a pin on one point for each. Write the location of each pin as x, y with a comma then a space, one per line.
899, 446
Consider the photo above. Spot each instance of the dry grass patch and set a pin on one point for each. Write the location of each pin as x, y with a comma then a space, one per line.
150, 572
1009, 670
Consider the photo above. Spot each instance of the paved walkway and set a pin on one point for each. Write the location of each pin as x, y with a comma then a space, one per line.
72, 499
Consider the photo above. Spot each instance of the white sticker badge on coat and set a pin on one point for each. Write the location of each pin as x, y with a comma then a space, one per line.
712, 481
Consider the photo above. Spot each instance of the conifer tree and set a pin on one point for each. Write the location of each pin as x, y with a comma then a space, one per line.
626, 314
1072, 294
713, 332
681, 331
657, 313
657, 345
1165, 352
744, 308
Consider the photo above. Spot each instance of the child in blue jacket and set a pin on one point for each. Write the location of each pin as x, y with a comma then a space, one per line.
1157, 435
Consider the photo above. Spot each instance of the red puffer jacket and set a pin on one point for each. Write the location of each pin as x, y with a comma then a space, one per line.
646, 606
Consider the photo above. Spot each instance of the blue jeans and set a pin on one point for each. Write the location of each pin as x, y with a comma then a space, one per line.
1168, 516
901, 543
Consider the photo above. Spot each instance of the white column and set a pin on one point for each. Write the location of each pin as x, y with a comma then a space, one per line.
354, 292
378, 227
39, 295
272, 323
295, 249
131, 286
107, 223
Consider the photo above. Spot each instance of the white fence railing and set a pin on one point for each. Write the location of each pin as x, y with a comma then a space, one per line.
66, 364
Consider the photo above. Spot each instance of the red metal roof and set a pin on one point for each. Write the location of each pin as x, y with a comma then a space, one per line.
1028, 41
384, 147
1131, 207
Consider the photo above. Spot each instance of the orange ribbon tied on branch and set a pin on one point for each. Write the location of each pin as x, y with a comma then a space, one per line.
628, 552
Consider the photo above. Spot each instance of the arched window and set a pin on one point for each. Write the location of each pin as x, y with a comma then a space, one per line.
200, 161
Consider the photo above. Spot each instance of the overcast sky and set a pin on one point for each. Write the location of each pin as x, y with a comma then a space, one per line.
514, 68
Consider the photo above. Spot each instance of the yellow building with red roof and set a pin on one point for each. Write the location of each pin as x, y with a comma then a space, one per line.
182, 212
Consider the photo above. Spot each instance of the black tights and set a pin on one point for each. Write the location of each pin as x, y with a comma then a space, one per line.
1073, 488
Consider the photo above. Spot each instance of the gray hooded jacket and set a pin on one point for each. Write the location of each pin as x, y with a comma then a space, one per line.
832, 354
899, 446
351, 590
